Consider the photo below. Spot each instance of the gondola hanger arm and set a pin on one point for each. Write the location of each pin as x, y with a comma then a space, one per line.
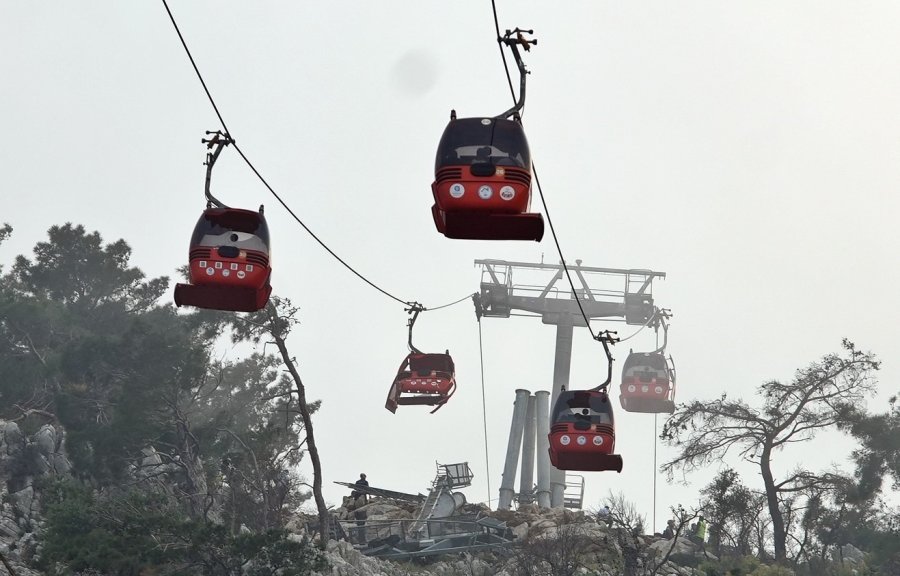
514, 39
606, 337
218, 141
414, 309
662, 314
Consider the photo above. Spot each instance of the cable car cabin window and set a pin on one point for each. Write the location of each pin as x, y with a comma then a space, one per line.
649, 359
583, 407
470, 141
427, 362
232, 227
645, 375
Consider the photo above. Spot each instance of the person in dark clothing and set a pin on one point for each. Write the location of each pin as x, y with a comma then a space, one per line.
360, 499
361, 482
669, 532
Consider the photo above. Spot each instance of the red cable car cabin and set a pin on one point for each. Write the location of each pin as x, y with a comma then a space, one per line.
482, 182
646, 386
423, 379
229, 262
582, 432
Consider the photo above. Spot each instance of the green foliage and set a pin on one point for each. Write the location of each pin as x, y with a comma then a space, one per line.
86, 344
136, 532
734, 566
773, 570
683, 559
109, 535
219, 553
76, 269
732, 510
879, 454
5, 232
253, 398
817, 399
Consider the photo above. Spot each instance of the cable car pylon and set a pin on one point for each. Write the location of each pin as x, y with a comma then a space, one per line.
615, 294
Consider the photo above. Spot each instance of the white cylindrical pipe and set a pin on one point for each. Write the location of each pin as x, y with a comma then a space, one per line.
508, 483
526, 480
542, 421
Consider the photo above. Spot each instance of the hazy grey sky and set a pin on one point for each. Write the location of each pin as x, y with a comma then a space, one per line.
748, 149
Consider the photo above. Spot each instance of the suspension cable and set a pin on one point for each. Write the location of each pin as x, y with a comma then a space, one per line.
562, 259
512, 90
196, 69
650, 320
455, 302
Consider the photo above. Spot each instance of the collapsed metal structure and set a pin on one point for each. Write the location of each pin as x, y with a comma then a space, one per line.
438, 527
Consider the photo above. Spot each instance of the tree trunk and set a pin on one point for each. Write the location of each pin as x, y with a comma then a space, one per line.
202, 504
310, 440
778, 533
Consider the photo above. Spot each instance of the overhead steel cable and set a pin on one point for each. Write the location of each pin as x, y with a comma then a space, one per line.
463, 299
310, 232
196, 69
269, 187
562, 259
512, 90
650, 320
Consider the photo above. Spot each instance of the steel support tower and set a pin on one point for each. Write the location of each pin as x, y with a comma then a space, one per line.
612, 293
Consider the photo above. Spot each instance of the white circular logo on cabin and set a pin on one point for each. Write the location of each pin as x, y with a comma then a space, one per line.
457, 190
485, 192
486, 121
507, 193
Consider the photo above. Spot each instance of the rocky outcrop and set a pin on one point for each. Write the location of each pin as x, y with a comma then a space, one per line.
849, 555
603, 550
25, 461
